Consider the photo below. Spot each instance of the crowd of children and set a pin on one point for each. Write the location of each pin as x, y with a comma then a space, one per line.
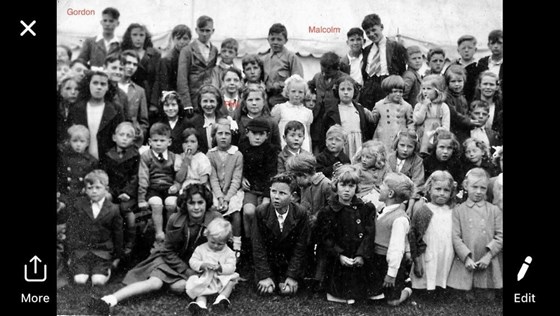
366, 182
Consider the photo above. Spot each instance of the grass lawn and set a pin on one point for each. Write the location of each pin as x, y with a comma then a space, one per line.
72, 299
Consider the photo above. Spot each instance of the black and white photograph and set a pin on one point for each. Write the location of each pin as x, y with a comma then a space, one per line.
281, 157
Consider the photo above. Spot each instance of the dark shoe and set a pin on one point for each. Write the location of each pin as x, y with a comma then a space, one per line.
195, 309
222, 304
98, 306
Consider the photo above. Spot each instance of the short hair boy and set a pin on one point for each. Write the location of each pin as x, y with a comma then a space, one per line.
279, 249
412, 78
436, 61
294, 135
279, 58
94, 232
92, 51
156, 177
466, 47
228, 52
333, 155
493, 62
351, 63
136, 95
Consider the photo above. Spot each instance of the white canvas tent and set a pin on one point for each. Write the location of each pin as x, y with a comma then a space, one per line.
426, 23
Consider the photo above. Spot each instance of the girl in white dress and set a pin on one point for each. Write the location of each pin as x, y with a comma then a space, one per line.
430, 235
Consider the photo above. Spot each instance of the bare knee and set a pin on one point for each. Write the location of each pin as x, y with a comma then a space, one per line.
154, 284
248, 211
178, 287
99, 279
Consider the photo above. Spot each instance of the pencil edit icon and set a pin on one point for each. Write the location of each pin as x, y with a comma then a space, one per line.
524, 268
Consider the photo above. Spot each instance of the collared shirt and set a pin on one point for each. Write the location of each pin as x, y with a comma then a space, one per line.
282, 218
382, 46
96, 207
400, 164
204, 49
280, 66
397, 243
124, 86
107, 43
165, 154
231, 103
208, 122
94, 115
494, 66
356, 68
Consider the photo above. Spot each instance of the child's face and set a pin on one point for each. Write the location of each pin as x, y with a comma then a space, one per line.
61, 54
346, 92
480, 114
395, 95
255, 103
78, 71
138, 37
473, 153
256, 138
310, 101
303, 180
294, 139
335, 143
130, 66
223, 137
159, 143
384, 192
415, 61
429, 92
497, 47
61, 71
296, 93
252, 72
205, 32
276, 42
190, 145
476, 188
98, 86
405, 147
108, 23
466, 49
171, 109
231, 82
280, 195
488, 86
96, 191
208, 103
346, 191
69, 91
374, 33
181, 41
227, 55
216, 244
444, 149
368, 160
436, 63
196, 207
456, 84
115, 70
124, 137
78, 143
440, 192
355, 42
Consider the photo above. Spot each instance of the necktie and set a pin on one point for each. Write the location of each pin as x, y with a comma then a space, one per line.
160, 157
96, 208
281, 221
375, 66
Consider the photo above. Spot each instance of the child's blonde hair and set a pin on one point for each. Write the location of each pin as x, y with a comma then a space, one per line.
78, 130
346, 174
400, 184
220, 122
377, 149
478, 143
97, 175
438, 83
337, 129
441, 175
476, 173
124, 125
290, 81
303, 163
408, 134
219, 228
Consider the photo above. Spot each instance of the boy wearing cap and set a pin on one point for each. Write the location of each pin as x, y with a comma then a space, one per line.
259, 165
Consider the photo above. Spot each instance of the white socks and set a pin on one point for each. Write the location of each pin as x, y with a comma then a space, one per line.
219, 298
110, 299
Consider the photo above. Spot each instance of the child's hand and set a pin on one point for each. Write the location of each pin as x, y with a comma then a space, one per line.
389, 281
265, 286
484, 261
418, 268
475, 123
173, 189
470, 264
60, 206
265, 200
278, 85
224, 206
208, 266
336, 165
290, 286
160, 237
245, 184
345, 261
124, 197
143, 205
358, 261
115, 263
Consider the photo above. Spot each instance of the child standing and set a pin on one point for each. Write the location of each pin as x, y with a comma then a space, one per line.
431, 111
231, 84
391, 228
488, 89
295, 90
67, 96
225, 179
156, 178
253, 69
279, 64
228, 52
391, 114
347, 228
214, 263
494, 62
477, 154
333, 156
196, 62
174, 117
477, 238
260, 160
466, 47
349, 114
193, 166
74, 164
351, 63
253, 105
460, 122
94, 231
169, 63
412, 78
430, 239
95, 49
446, 156
279, 239
294, 135
436, 61
121, 165
479, 112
